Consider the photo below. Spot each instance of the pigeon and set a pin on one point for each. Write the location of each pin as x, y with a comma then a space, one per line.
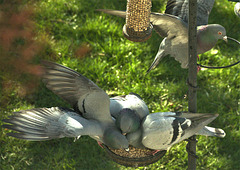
160, 131
128, 121
174, 29
131, 101
66, 86
237, 9
87, 99
128, 111
51, 123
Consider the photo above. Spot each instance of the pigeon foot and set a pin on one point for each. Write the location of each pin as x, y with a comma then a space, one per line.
198, 68
155, 151
100, 144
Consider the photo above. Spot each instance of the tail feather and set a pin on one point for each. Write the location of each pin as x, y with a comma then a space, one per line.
156, 60
153, 65
211, 131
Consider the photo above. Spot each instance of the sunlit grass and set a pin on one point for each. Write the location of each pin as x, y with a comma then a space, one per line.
118, 66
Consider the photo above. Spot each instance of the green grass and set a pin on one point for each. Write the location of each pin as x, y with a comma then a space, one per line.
118, 66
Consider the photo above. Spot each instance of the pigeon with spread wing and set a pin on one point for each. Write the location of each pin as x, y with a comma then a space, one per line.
173, 26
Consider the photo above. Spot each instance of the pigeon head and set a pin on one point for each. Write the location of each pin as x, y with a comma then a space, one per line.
128, 121
215, 32
114, 139
219, 31
208, 35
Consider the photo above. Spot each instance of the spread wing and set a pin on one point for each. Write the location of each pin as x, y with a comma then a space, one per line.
67, 83
165, 25
180, 8
49, 123
82, 93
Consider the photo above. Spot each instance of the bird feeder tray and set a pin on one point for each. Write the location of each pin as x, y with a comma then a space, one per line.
135, 157
137, 36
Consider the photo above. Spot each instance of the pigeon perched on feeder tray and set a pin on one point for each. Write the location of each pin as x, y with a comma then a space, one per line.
91, 116
160, 131
173, 26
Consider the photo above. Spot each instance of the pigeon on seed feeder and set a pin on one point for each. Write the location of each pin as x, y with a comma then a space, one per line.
161, 130
91, 115
173, 26
151, 136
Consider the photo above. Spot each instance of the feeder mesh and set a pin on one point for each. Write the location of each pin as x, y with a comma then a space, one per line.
138, 15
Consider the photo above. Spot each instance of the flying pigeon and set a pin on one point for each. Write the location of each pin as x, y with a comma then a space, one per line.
237, 9
51, 123
160, 131
86, 98
175, 30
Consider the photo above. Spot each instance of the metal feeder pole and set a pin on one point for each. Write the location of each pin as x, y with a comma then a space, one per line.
192, 77
138, 27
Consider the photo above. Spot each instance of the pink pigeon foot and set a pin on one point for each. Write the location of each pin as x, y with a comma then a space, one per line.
198, 67
154, 152
100, 144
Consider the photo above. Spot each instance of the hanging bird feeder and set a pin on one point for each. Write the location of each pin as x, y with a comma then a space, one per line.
138, 27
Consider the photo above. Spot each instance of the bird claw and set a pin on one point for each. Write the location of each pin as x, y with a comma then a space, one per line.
154, 152
198, 68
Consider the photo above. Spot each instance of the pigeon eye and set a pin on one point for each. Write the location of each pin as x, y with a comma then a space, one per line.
219, 33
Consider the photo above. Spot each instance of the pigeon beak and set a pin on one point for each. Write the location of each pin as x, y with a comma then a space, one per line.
225, 39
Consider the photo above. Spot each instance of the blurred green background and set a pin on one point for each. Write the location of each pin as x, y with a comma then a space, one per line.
73, 34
